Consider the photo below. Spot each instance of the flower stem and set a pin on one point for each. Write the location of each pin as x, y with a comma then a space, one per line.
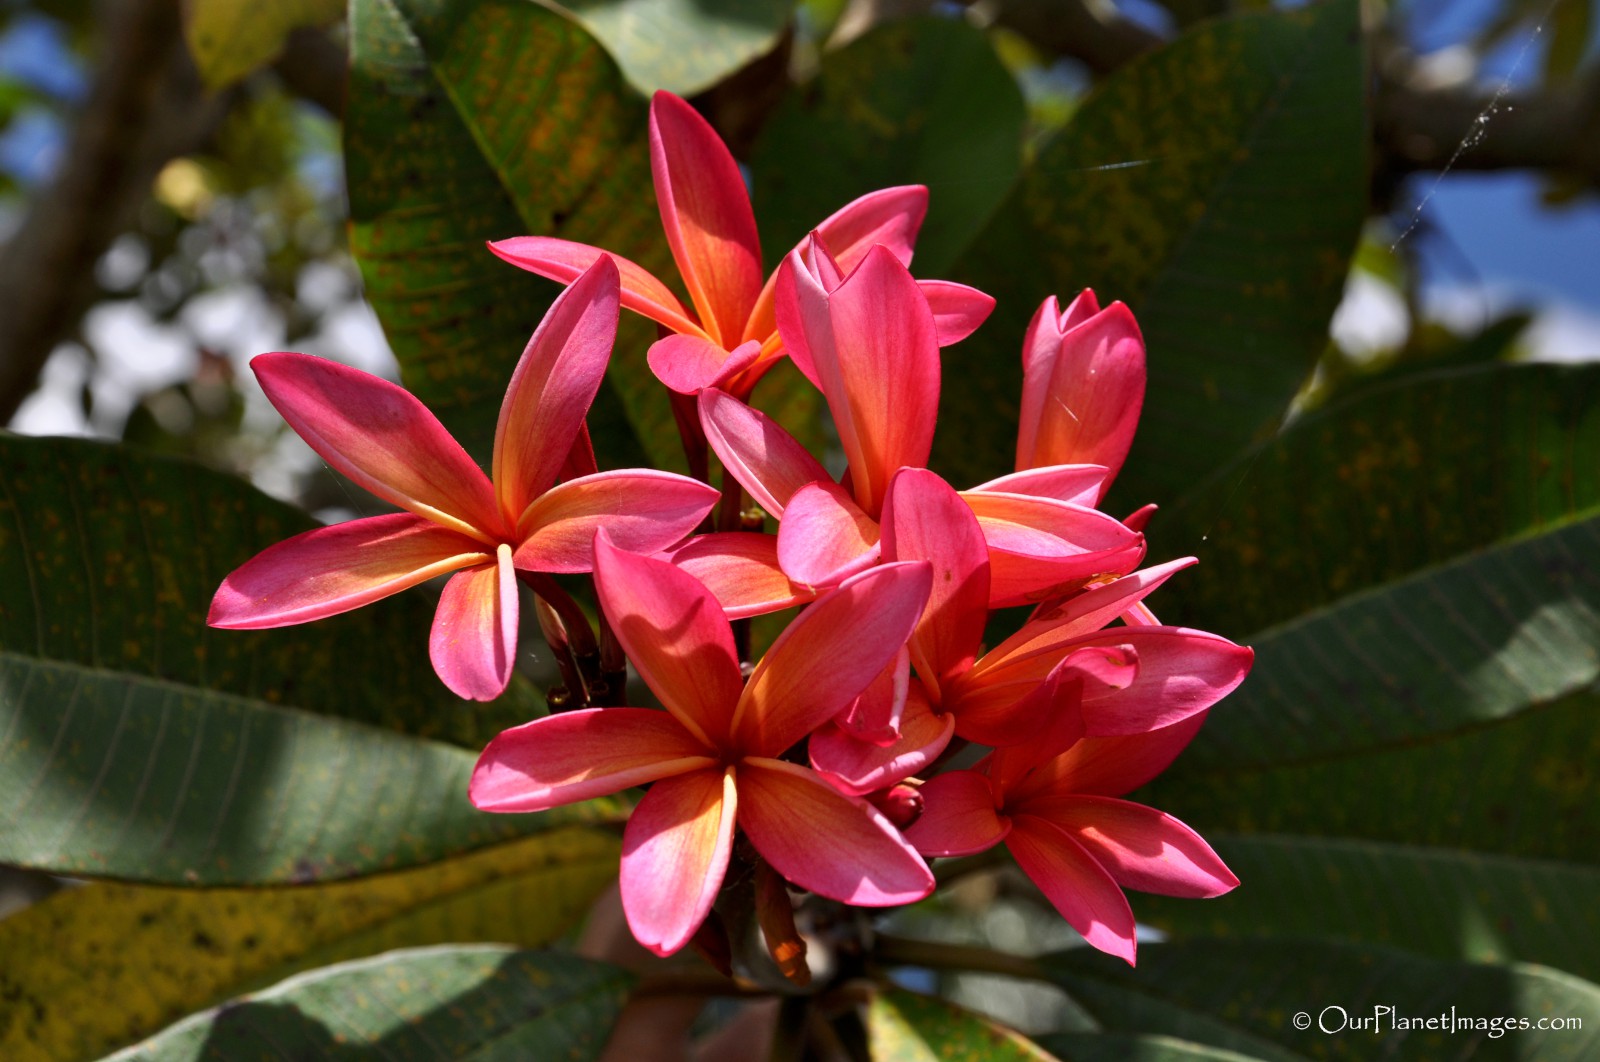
935, 955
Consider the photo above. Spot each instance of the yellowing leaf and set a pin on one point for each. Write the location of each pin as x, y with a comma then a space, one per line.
232, 38
159, 953
907, 1027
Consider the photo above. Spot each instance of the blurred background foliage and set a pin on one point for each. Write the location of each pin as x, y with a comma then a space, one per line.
1355, 236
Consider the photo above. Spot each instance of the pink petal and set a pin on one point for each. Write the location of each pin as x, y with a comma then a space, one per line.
874, 716
553, 387
875, 352
837, 846
675, 852
380, 436
1086, 612
957, 309
1079, 311
1075, 884
857, 767
740, 568
1047, 716
580, 459
1038, 546
1139, 519
891, 216
958, 816
1111, 766
828, 655
564, 261
706, 213
643, 511
765, 459
576, 756
1181, 672
329, 570
676, 635
1140, 847
1081, 394
689, 364
473, 644
925, 519
1078, 484
824, 537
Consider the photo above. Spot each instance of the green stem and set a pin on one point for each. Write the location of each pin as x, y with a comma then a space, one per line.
902, 951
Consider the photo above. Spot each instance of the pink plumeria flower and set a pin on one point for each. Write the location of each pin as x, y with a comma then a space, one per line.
713, 755
457, 520
1059, 816
869, 341
729, 338
1082, 386
1058, 678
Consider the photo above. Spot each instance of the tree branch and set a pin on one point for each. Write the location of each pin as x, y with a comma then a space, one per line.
144, 108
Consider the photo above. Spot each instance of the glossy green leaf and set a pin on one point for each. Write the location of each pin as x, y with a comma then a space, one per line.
232, 38
906, 1027
680, 45
1258, 987
476, 1002
112, 775
1387, 483
1218, 186
920, 101
1439, 902
161, 953
478, 121
108, 562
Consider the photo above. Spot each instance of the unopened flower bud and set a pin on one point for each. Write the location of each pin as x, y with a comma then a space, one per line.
901, 804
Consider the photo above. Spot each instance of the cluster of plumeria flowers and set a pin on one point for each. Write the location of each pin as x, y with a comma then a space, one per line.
849, 753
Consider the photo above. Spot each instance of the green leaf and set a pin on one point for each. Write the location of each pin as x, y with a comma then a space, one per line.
1257, 987
1111, 1047
232, 38
161, 953
463, 1002
471, 122
1438, 902
1385, 484
1218, 186
918, 101
109, 559
112, 775
682, 46
906, 1027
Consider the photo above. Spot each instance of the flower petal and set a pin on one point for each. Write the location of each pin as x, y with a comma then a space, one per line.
957, 309
1039, 546
1078, 484
837, 846
874, 716
824, 537
890, 216
925, 519
1081, 392
1112, 766
875, 352
644, 511
857, 767
379, 435
828, 655
1075, 884
689, 364
1140, 847
765, 459
706, 213
575, 756
564, 261
553, 387
958, 816
740, 568
329, 570
676, 635
675, 852
1086, 612
473, 644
